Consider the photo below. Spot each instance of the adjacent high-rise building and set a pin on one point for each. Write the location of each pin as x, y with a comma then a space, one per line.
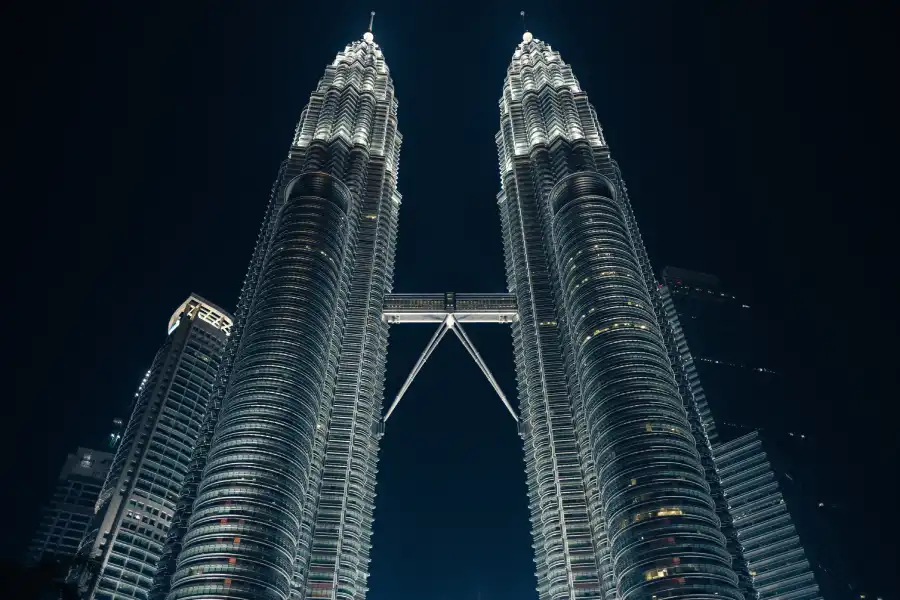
727, 347
121, 548
765, 543
66, 518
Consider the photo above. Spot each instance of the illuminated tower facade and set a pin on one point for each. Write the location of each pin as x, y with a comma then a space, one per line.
279, 501
623, 491
620, 505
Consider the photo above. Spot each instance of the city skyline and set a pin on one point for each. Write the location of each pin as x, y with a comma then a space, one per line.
455, 276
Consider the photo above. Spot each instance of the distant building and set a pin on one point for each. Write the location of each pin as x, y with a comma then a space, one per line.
723, 368
135, 507
65, 519
729, 349
777, 564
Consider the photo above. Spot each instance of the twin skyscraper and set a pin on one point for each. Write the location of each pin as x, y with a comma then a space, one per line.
276, 501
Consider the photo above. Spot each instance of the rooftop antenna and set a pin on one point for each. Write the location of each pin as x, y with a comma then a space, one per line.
526, 35
369, 36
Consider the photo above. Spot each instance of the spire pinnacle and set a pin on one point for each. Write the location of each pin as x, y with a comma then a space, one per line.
368, 35
526, 35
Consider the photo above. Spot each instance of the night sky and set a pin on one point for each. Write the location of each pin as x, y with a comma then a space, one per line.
142, 140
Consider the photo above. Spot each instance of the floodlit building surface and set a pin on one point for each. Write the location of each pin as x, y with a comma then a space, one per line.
134, 510
280, 503
619, 444
66, 518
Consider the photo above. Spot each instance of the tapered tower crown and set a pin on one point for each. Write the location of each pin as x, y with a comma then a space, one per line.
354, 102
543, 102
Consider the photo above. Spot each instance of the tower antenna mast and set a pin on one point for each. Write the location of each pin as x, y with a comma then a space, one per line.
369, 36
526, 36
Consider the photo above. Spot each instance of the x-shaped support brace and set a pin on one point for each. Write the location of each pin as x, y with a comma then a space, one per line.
451, 324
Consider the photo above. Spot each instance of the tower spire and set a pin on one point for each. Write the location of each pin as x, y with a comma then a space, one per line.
526, 35
368, 35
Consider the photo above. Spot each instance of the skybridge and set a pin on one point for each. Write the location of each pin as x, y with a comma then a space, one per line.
449, 311
465, 308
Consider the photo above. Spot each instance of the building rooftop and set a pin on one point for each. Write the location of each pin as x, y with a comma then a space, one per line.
197, 307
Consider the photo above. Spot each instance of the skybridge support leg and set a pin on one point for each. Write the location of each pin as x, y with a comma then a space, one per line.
432, 344
473, 352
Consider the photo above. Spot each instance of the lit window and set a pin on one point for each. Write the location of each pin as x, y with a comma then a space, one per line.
655, 574
668, 512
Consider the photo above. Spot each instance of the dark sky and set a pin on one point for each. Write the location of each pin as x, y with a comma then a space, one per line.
142, 139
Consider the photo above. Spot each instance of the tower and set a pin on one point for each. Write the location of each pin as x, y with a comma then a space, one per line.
279, 500
67, 516
620, 504
121, 547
